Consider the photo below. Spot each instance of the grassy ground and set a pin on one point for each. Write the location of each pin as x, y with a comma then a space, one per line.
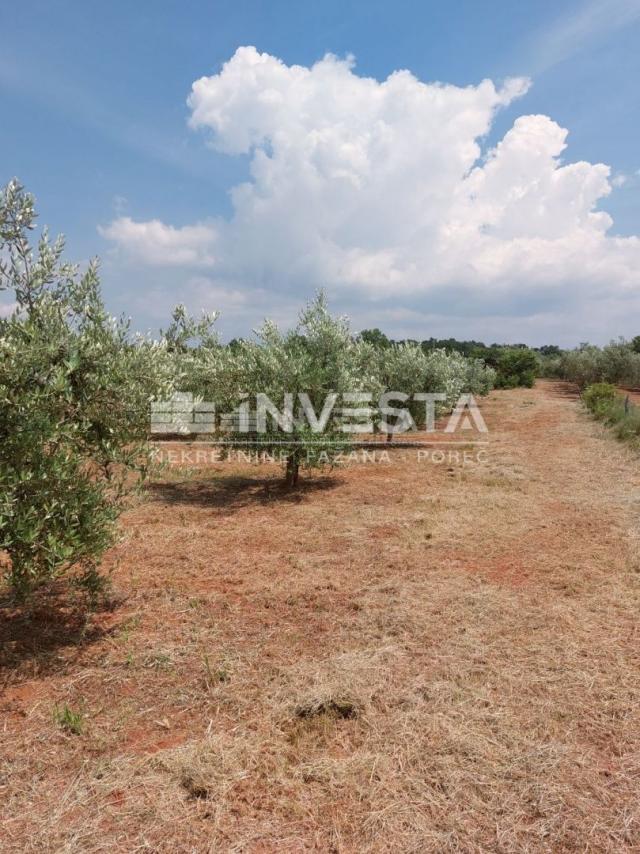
405, 656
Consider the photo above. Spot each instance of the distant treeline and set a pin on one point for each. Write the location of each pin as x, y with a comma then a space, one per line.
514, 364
518, 364
475, 349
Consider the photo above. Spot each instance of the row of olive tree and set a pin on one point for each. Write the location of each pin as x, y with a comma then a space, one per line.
287, 384
513, 365
617, 363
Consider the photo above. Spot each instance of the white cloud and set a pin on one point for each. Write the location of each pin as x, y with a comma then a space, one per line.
378, 189
153, 242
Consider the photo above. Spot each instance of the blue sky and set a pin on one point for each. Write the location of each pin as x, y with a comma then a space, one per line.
95, 123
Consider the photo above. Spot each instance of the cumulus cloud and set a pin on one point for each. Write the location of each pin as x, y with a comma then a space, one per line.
153, 242
375, 189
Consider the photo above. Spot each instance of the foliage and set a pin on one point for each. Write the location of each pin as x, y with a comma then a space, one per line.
402, 368
375, 337
74, 400
599, 396
194, 350
626, 423
452, 373
605, 403
549, 350
620, 364
318, 358
511, 366
480, 378
185, 334
504, 366
516, 367
468, 348
617, 363
551, 366
583, 366
407, 368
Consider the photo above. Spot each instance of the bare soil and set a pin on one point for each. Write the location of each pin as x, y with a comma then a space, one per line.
403, 656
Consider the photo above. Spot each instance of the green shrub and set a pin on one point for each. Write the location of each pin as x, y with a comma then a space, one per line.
516, 367
600, 397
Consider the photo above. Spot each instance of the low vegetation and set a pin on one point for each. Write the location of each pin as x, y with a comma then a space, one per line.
608, 404
68, 720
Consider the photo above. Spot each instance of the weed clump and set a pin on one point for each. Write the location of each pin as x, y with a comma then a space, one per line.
68, 720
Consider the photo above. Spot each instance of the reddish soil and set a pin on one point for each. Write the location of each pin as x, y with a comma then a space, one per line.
406, 656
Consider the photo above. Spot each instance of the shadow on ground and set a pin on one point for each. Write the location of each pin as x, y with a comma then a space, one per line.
47, 633
565, 390
234, 492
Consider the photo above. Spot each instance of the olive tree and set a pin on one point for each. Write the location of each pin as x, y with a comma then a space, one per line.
75, 390
583, 365
288, 386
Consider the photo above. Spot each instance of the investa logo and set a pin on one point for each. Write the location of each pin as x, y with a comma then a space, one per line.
350, 413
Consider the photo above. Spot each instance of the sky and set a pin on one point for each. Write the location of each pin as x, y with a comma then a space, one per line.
463, 169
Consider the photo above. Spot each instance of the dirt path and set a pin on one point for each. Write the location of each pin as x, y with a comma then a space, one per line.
408, 656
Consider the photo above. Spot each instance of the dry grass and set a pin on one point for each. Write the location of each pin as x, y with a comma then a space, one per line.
402, 658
